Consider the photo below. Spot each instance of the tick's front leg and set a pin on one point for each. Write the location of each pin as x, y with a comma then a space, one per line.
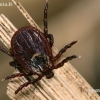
27, 83
66, 60
63, 50
5, 51
18, 75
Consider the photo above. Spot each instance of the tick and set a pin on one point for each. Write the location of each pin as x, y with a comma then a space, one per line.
32, 50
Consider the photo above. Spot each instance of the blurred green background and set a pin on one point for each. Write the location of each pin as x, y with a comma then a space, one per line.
68, 20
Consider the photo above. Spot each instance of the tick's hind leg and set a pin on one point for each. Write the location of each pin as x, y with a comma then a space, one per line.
17, 75
5, 51
51, 39
66, 60
63, 50
45, 20
27, 83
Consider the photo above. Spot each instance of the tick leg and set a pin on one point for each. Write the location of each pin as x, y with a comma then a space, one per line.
27, 83
5, 51
51, 39
66, 60
63, 50
45, 19
49, 36
14, 64
18, 75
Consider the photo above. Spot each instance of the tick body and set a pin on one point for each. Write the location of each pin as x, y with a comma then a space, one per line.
32, 50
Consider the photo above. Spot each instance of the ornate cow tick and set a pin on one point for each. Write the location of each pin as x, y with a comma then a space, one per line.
32, 50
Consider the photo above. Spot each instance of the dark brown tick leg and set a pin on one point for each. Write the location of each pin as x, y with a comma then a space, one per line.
66, 60
18, 75
45, 20
51, 39
49, 36
27, 83
63, 50
14, 64
5, 51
